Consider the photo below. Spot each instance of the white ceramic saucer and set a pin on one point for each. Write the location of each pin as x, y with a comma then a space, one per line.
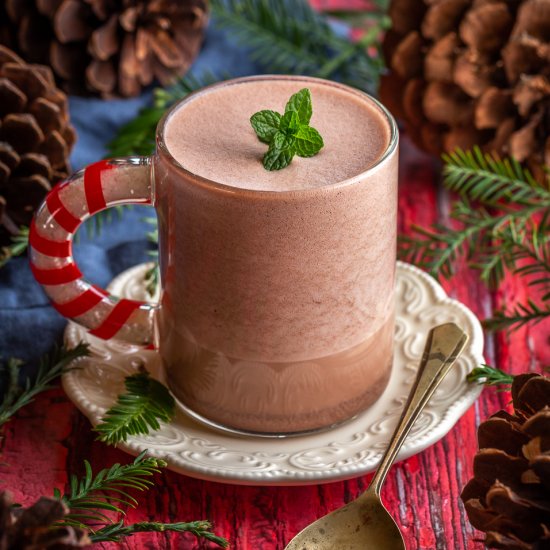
344, 452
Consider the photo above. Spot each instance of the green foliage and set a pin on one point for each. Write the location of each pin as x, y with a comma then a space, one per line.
500, 224
288, 36
91, 498
18, 245
518, 316
51, 367
490, 376
95, 225
289, 134
152, 274
116, 531
139, 410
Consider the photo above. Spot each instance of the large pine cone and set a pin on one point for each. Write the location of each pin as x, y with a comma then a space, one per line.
472, 72
509, 496
106, 47
35, 140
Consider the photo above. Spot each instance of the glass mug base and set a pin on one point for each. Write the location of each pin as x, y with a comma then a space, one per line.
278, 399
280, 435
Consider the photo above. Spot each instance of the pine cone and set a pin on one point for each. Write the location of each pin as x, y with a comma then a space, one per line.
32, 528
472, 72
35, 139
509, 496
107, 47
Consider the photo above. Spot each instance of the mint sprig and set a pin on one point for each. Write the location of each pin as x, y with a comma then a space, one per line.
288, 134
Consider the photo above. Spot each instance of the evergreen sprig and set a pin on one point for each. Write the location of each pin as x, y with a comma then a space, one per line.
490, 376
19, 243
93, 496
50, 368
138, 411
289, 36
499, 224
116, 531
152, 275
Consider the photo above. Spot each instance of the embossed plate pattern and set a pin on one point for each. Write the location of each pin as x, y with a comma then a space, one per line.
344, 452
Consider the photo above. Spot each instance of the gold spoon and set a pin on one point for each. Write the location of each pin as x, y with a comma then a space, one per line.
364, 523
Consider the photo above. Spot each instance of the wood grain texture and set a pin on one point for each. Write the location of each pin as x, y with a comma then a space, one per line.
50, 438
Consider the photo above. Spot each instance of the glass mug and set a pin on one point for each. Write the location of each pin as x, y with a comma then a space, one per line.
264, 326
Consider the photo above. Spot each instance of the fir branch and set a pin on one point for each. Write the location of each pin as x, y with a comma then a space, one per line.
107, 491
51, 367
500, 224
17, 247
137, 137
519, 316
288, 36
152, 274
492, 181
490, 376
138, 411
114, 532
93, 496
94, 225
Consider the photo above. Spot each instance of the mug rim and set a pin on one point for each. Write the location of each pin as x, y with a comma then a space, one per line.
285, 193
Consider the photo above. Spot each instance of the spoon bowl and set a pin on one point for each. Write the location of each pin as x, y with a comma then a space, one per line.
364, 523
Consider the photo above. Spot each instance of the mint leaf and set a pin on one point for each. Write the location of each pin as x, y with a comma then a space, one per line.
289, 134
289, 123
265, 124
280, 152
308, 141
300, 103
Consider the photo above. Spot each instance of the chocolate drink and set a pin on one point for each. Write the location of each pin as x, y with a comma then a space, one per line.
278, 287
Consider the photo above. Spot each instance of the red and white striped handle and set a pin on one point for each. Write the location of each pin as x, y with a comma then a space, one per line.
96, 187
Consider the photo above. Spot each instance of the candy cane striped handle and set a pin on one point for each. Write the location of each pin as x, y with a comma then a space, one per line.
98, 186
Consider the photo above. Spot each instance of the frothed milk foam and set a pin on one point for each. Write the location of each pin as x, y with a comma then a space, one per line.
278, 287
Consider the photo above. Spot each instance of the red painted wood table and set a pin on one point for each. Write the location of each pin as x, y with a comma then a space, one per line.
50, 439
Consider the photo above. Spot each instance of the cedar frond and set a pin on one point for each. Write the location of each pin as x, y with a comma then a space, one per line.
17, 247
139, 410
116, 531
51, 367
490, 376
499, 224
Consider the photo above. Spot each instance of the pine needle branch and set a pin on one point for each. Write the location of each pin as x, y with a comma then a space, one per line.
288, 36
519, 316
152, 274
499, 224
107, 491
490, 376
492, 181
139, 410
94, 225
51, 367
17, 247
116, 531
92, 497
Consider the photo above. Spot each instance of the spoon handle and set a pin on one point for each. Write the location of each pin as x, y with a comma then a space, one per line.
444, 345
